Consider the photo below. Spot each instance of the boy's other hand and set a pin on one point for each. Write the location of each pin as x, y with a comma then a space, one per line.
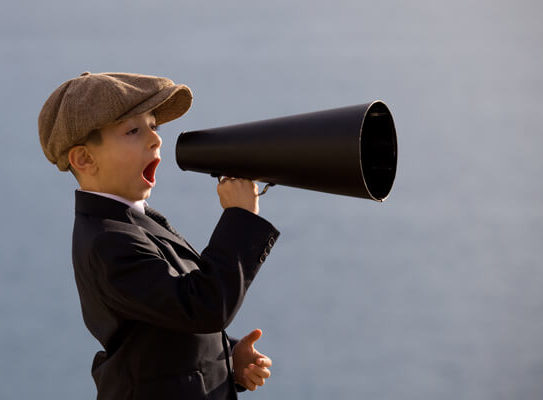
250, 366
237, 192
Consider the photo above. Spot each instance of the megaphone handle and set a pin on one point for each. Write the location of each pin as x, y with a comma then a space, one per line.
268, 185
266, 188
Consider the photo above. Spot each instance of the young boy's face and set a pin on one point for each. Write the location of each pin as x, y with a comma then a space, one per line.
127, 157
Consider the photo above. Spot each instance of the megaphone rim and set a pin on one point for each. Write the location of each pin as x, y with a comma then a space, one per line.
368, 107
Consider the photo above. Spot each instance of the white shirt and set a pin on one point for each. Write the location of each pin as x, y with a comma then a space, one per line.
136, 205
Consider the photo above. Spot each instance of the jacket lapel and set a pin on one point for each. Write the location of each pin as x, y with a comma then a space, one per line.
103, 207
158, 230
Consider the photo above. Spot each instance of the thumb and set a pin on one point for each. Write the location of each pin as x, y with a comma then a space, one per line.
252, 337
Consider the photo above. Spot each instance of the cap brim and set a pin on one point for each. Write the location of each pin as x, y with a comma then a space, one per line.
168, 104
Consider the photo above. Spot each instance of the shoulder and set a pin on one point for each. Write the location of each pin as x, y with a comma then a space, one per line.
94, 236
119, 235
93, 227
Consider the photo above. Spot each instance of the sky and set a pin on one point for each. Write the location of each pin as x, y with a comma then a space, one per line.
433, 294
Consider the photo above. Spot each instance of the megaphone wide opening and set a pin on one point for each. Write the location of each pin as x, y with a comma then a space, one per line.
378, 151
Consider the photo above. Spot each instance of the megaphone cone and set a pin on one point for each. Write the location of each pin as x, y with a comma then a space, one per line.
348, 151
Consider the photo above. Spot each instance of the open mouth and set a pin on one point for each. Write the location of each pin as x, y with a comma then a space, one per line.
149, 171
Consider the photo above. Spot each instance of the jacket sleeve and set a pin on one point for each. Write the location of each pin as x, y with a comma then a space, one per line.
134, 279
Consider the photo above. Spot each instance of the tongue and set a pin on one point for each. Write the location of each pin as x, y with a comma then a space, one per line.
149, 172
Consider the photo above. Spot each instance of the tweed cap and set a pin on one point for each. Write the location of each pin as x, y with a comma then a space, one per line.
91, 101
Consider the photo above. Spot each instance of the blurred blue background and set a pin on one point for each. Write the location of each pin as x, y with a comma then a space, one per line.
434, 294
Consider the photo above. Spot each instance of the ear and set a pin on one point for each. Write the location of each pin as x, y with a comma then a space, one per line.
82, 161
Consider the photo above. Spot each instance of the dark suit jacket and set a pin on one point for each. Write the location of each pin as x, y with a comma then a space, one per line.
158, 307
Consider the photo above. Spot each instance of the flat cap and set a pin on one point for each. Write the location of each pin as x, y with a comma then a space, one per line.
92, 101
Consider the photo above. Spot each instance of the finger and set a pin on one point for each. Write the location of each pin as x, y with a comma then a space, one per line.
247, 381
250, 386
225, 184
222, 181
254, 377
245, 181
257, 380
262, 372
264, 362
257, 371
252, 337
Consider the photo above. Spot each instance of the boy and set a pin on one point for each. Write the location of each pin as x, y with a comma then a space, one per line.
157, 306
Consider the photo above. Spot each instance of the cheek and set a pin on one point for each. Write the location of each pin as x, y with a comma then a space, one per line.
120, 159
124, 166
116, 164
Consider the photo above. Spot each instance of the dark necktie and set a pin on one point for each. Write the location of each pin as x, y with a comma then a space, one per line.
159, 218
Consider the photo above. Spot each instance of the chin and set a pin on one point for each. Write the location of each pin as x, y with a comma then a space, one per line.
137, 196
146, 195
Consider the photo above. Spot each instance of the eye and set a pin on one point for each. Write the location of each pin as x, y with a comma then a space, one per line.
132, 131
155, 128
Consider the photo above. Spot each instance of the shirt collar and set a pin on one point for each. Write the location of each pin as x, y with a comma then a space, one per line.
136, 205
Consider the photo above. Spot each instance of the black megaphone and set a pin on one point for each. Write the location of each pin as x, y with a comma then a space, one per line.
348, 151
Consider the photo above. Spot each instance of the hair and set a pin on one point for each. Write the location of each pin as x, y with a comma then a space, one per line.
94, 137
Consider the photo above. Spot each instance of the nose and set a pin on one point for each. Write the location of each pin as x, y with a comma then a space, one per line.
156, 140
